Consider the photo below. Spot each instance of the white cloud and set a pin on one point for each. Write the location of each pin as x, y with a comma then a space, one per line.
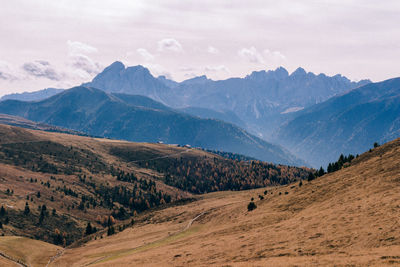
187, 68
169, 44
219, 68
274, 55
145, 54
212, 50
85, 63
76, 47
6, 72
266, 57
190, 75
252, 55
81, 65
41, 69
158, 70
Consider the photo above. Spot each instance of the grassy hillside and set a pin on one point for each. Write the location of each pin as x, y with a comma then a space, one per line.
24, 123
140, 119
14, 250
54, 184
347, 218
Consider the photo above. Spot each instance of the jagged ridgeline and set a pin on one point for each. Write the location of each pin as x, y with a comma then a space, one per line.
54, 184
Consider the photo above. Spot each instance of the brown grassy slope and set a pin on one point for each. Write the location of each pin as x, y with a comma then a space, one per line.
17, 178
56, 160
27, 251
350, 217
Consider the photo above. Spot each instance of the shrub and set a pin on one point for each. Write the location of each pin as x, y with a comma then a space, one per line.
251, 206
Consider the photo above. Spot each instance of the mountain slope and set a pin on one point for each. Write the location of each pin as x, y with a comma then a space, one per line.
54, 184
349, 123
33, 96
205, 113
347, 218
24, 123
97, 113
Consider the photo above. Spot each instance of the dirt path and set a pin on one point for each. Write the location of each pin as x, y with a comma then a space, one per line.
17, 262
192, 220
105, 258
52, 259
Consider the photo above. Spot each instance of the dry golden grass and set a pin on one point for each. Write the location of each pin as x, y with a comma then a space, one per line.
16, 178
28, 251
348, 218
7, 263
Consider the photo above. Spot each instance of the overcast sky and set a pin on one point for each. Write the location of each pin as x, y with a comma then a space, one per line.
66, 42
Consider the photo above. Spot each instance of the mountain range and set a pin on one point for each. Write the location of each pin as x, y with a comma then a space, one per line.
141, 119
258, 99
316, 117
259, 102
32, 96
349, 123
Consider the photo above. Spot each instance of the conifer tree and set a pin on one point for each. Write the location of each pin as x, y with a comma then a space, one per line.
2, 211
27, 209
89, 229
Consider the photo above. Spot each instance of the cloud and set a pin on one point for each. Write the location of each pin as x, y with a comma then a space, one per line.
274, 55
145, 54
212, 50
158, 70
266, 57
187, 68
190, 75
252, 55
85, 63
169, 44
76, 47
41, 69
6, 72
82, 65
220, 68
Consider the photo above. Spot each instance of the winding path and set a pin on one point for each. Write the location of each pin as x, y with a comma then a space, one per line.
59, 254
177, 233
17, 262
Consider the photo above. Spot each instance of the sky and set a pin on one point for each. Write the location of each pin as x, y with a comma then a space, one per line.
47, 43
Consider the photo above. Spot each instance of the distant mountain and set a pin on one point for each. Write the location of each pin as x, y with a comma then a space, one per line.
135, 80
141, 101
206, 113
138, 119
258, 99
260, 102
349, 123
168, 82
33, 96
